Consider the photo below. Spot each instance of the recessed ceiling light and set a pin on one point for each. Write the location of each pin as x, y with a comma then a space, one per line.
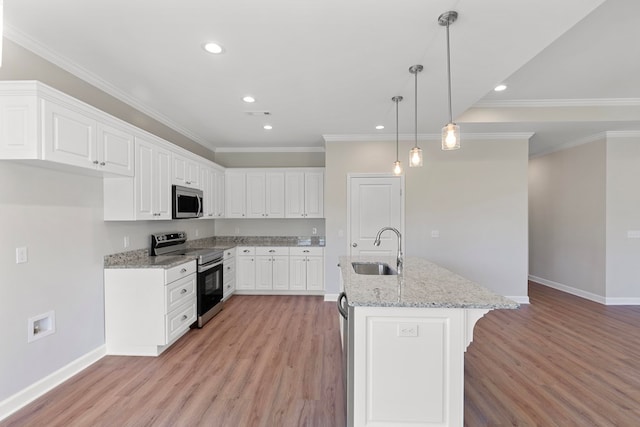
500, 88
379, 127
212, 47
267, 127
249, 99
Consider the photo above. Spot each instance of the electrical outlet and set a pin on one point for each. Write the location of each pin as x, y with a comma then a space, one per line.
197, 232
21, 255
126, 241
237, 230
407, 329
435, 234
314, 231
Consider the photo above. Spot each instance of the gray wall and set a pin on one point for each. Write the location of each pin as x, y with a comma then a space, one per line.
476, 197
567, 217
583, 203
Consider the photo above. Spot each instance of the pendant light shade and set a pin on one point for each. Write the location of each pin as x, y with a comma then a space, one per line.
451, 131
415, 155
397, 166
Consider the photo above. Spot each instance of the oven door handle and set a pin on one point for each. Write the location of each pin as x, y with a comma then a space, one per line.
202, 269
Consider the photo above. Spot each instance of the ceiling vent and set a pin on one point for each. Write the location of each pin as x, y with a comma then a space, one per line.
258, 113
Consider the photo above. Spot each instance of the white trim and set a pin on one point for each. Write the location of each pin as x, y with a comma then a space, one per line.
588, 139
541, 103
520, 299
37, 389
426, 137
570, 144
73, 68
269, 150
568, 289
622, 301
331, 297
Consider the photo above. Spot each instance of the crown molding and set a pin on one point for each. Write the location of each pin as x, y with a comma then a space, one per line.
426, 137
39, 49
542, 103
588, 139
269, 150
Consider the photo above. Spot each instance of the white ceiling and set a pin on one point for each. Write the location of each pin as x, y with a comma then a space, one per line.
330, 67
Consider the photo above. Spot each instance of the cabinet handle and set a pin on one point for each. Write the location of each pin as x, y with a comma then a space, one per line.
184, 291
306, 251
272, 250
184, 270
95, 162
246, 251
102, 163
184, 317
187, 182
266, 214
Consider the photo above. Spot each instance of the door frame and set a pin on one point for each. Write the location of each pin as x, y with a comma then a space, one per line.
350, 176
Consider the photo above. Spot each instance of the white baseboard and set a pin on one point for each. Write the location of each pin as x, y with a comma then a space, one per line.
569, 289
29, 394
331, 297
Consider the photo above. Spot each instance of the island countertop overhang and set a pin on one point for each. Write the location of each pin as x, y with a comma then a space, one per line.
422, 284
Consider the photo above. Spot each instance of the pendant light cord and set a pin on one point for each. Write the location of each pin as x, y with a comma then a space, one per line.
415, 123
449, 73
397, 100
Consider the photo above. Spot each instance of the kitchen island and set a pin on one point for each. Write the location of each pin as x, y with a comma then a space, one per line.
404, 342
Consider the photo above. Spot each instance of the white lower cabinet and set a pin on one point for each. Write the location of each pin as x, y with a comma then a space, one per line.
272, 268
306, 271
147, 309
229, 273
280, 269
245, 268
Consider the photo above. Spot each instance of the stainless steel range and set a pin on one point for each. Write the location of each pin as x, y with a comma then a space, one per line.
209, 261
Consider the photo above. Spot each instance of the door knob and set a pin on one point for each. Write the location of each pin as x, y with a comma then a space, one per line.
355, 245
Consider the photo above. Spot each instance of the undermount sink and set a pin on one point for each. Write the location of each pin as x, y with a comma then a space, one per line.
373, 268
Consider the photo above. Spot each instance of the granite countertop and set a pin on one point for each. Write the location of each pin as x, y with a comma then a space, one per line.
141, 259
421, 284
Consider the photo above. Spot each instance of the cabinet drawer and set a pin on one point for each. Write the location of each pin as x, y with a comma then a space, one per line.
229, 271
180, 292
182, 270
307, 251
245, 250
229, 253
179, 320
272, 250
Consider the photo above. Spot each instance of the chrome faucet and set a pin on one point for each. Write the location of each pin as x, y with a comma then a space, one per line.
400, 259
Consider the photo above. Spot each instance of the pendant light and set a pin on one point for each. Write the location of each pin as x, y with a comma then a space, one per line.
451, 131
415, 155
397, 167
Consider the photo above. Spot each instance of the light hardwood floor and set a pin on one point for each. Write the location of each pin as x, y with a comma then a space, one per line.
275, 361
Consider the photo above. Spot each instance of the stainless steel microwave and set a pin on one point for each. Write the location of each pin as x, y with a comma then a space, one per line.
187, 202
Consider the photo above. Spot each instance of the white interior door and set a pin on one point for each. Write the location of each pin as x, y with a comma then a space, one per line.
374, 202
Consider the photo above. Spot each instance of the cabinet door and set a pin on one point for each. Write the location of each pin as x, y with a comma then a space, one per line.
255, 194
162, 188
152, 185
294, 194
69, 137
115, 150
235, 191
297, 272
315, 273
280, 268
264, 272
207, 181
218, 208
274, 195
186, 172
245, 272
314, 194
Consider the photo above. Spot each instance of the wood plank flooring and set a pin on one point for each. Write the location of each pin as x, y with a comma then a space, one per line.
560, 361
275, 361
263, 361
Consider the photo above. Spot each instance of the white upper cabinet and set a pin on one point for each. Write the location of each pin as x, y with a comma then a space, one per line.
152, 181
76, 139
304, 194
219, 186
265, 194
235, 194
186, 171
212, 186
39, 122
